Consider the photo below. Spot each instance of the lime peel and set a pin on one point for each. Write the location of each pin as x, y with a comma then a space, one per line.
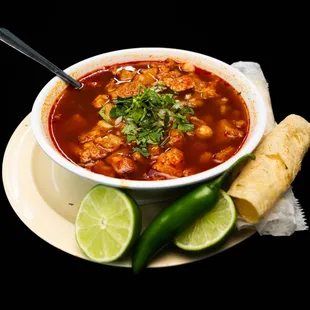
211, 228
108, 223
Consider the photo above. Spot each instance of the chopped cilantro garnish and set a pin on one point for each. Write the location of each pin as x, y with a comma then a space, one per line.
143, 151
186, 127
166, 119
182, 123
159, 87
187, 111
148, 116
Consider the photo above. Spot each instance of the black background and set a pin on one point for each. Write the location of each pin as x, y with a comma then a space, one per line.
269, 258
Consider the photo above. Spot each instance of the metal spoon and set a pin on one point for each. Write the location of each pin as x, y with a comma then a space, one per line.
9, 38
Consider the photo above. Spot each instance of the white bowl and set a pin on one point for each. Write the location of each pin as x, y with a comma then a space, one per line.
252, 97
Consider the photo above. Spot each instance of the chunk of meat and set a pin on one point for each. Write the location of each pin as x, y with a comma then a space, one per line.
148, 76
170, 63
104, 124
100, 100
152, 71
126, 90
206, 89
125, 75
167, 66
122, 164
111, 86
176, 138
188, 67
102, 168
179, 84
224, 154
170, 162
97, 131
226, 131
167, 77
145, 79
109, 142
194, 100
195, 103
92, 152
154, 150
204, 132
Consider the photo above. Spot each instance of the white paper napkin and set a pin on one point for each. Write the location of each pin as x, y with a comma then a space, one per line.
287, 215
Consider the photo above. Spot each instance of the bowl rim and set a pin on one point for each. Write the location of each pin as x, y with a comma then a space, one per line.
207, 175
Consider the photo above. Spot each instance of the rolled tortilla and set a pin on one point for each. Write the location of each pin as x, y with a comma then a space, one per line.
278, 160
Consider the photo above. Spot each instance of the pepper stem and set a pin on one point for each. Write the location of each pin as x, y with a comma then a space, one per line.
217, 183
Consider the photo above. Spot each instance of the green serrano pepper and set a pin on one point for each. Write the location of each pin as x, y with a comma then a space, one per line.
174, 219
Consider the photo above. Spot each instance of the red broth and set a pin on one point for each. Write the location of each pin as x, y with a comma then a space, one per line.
215, 128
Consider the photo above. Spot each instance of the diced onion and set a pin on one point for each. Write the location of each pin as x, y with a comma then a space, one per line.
177, 106
118, 120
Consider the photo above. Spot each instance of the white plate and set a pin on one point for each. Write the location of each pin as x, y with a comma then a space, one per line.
46, 197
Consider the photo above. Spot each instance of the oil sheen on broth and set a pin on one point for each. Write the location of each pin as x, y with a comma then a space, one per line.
149, 121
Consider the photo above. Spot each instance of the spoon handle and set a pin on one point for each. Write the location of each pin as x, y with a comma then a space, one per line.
9, 38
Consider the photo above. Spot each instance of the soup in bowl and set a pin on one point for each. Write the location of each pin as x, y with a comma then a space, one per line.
149, 118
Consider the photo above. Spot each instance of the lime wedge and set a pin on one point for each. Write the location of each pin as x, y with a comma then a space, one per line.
107, 224
211, 228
